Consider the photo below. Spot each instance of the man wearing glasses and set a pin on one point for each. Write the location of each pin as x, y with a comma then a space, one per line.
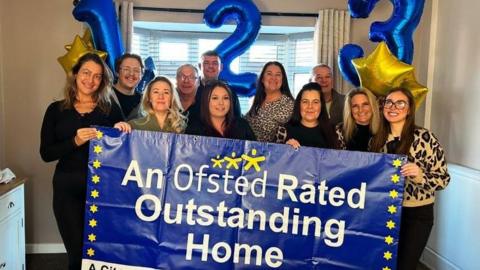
210, 66
129, 70
187, 85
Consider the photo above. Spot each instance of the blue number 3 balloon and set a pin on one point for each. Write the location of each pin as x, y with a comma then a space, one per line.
397, 32
248, 19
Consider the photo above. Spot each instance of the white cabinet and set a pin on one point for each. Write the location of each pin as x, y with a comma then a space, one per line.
12, 226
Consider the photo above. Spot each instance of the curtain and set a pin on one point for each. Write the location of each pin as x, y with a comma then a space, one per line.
125, 18
332, 31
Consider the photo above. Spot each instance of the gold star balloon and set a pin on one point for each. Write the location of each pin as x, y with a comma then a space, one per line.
77, 49
381, 71
87, 39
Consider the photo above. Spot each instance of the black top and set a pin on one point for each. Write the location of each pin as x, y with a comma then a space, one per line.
360, 139
128, 102
306, 136
59, 129
236, 103
193, 113
241, 130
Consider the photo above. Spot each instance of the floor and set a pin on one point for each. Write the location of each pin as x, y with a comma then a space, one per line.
59, 262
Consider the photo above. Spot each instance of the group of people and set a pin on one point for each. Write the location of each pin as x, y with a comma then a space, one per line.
200, 104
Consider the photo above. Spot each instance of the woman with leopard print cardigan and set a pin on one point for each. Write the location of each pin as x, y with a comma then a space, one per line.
425, 172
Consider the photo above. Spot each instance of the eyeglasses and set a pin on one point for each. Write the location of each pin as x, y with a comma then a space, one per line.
399, 104
85, 73
134, 71
184, 78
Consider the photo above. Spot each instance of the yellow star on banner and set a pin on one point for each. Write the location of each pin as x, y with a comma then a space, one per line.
390, 224
92, 237
253, 161
387, 255
393, 193
397, 163
97, 149
96, 179
90, 252
92, 223
217, 162
389, 240
395, 178
232, 161
386, 268
93, 208
99, 135
95, 194
97, 164
392, 209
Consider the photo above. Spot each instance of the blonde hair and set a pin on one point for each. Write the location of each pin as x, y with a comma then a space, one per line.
174, 115
102, 96
349, 125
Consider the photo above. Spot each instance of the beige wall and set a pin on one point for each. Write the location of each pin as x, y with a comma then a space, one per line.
2, 111
32, 78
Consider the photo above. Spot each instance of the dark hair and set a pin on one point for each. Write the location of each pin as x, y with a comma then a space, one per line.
101, 96
205, 111
210, 53
326, 128
260, 93
119, 60
407, 135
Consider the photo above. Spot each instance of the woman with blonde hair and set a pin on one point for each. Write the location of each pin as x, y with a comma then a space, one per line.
361, 120
160, 105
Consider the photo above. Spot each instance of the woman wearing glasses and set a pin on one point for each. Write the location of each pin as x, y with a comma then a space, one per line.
129, 70
425, 172
361, 119
66, 130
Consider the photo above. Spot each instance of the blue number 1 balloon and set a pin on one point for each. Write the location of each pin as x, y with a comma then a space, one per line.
100, 16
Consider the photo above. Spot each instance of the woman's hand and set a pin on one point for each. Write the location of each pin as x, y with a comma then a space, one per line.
412, 171
294, 143
84, 135
123, 126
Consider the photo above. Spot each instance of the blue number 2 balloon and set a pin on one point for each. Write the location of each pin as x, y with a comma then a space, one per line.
397, 32
248, 19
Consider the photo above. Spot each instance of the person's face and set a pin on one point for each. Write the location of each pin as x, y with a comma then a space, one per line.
219, 103
361, 109
88, 78
129, 73
160, 96
187, 82
211, 67
396, 107
310, 106
323, 77
272, 78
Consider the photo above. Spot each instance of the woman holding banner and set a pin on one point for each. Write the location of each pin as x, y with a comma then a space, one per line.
309, 125
160, 105
425, 172
66, 131
217, 118
273, 102
361, 119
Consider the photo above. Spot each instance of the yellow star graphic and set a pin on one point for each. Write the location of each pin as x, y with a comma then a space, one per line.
96, 179
97, 149
390, 224
217, 162
95, 194
99, 134
253, 161
232, 161
92, 223
382, 71
397, 163
90, 252
395, 178
387, 255
392, 209
92, 237
393, 193
389, 240
97, 164
386, 268
93, 208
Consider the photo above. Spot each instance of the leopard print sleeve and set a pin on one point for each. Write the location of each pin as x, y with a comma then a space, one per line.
340, 139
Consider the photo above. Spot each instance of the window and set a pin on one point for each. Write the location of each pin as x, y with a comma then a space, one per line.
173, 51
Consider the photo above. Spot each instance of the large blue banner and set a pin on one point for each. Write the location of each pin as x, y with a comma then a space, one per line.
166, 201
